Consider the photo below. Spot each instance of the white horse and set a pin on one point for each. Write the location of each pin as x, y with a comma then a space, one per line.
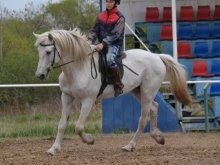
72, 50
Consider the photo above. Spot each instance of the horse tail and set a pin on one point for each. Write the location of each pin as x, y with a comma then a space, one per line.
177, 75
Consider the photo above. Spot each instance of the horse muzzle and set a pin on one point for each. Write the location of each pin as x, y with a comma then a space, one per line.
42, 75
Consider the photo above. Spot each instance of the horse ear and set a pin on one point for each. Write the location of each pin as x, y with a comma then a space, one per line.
50, 36
36, 35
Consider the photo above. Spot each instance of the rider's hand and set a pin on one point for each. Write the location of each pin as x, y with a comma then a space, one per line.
89, 42
99, 47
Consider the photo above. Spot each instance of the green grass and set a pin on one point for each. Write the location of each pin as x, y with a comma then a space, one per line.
41, 125
122, 131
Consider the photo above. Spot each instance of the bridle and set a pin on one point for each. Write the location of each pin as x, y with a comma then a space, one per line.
54, 53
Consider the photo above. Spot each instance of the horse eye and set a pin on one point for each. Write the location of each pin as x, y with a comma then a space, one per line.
48, 52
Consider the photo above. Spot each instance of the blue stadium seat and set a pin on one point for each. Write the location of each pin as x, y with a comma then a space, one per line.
185, 31
215, 89
216, 48
216, 30
215, 69
201, 49
202, 31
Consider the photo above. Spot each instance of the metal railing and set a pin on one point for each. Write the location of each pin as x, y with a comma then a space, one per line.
27, 85
205, 88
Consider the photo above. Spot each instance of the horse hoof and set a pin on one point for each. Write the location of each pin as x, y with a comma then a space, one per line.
91, 142
88, 139
162, 141
53, 150
159, 139
127, 149
50, 153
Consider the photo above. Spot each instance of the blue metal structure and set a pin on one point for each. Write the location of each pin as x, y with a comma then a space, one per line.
123, 113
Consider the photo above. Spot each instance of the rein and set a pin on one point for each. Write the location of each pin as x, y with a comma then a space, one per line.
92, 60
55, 49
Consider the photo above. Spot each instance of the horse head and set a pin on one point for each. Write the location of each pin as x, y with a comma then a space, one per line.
48, 52
73, 45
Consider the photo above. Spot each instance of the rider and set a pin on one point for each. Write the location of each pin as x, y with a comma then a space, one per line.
109, 29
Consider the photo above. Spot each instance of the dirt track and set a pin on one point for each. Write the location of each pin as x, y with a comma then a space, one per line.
181, 149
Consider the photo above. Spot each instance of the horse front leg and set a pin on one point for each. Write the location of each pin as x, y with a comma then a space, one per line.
85, 110
67, 104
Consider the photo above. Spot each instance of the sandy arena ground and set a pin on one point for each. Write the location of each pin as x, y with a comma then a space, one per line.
179, 149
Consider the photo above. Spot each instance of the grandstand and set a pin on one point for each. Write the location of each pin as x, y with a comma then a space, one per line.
198, 49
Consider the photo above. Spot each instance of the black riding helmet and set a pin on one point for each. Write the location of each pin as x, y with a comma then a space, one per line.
118, 1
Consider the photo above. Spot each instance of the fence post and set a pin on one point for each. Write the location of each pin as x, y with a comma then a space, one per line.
206, 108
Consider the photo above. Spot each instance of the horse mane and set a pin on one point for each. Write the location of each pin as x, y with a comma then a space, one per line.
73, 43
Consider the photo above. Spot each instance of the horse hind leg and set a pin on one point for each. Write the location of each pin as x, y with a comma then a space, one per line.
154, 130
143, 120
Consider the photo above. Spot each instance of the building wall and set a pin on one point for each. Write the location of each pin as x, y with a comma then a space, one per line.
135, 10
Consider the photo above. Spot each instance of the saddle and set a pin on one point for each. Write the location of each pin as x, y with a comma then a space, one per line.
106, 75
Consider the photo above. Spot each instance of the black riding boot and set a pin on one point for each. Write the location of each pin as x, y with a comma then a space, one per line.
118, 85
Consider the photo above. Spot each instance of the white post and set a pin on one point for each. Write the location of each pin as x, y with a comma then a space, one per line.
174, 30
124, 42
1, 21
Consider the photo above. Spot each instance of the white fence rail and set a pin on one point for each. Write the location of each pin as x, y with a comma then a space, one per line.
27, 85
206, 86
56, 85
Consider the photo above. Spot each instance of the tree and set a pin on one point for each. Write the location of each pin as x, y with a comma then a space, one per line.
19, 55
68, 14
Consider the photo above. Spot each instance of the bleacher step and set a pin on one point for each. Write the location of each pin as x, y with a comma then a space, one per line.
194, 101
193, 109
200, 119
167, 94
198, 126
